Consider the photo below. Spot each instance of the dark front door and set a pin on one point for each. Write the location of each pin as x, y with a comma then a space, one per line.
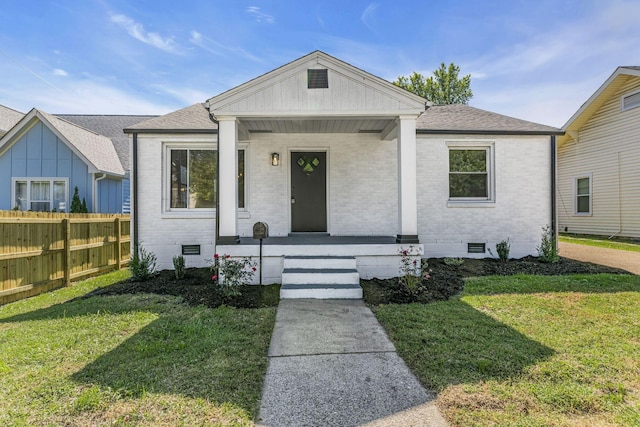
308, 191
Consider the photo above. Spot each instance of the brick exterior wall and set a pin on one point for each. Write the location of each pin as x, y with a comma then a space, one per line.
522, 206
362, 194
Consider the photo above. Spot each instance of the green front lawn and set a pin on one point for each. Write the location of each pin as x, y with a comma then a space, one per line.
601, 242
129, 360
528, 350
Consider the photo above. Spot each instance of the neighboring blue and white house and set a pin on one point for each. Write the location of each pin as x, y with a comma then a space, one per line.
44, 157
337, 162
599, 161
112, 127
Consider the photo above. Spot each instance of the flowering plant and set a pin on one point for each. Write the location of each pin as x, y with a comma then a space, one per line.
411, 268
231, 273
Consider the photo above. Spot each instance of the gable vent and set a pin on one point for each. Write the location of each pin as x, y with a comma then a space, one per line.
317, 79
631, 101
476, 248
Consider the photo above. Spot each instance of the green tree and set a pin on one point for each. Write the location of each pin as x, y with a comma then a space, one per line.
444, 87
76, 204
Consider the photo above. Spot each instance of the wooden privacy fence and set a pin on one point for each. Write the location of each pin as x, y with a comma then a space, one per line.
41, 251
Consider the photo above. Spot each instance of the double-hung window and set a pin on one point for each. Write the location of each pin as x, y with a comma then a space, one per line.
192, 178
40, 194
582, 194
470, 173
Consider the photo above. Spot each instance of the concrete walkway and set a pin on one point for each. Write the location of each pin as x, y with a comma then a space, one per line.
331, 364
625, 260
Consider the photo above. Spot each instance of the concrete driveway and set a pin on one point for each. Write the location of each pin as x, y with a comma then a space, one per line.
625, 260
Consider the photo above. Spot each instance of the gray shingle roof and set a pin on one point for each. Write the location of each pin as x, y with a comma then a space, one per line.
97, 149
8, 118
192, 118
110, 126
461, 118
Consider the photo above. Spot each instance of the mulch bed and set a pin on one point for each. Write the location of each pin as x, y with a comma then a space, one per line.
197, 288
448, 280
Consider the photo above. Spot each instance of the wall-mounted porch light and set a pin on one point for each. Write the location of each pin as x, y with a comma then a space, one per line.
275, 159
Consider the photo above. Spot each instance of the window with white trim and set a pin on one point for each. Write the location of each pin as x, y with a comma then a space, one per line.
192, 178
470, 173
582, 194
40, 194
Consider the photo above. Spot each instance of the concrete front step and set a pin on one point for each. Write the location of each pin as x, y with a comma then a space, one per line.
304, 276
319, 262
321, 291
321, 277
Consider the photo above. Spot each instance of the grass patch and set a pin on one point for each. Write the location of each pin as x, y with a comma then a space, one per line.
130, 360
528, 350
601, 242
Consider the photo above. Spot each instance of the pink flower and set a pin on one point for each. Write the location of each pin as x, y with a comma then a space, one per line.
426, 276
405, 252
227, 256
253, 268
415, 262
216, 256
214, 277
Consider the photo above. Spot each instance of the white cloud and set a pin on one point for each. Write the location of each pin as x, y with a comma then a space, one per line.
137, 31
368, 18
259, 15
59, 72
216, 48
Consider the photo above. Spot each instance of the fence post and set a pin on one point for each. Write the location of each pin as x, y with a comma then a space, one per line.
66, 226
118, 228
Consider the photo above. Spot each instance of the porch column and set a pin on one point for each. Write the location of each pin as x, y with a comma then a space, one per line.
407, 181
227, 185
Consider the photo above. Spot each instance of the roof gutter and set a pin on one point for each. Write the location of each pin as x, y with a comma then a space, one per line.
485, 132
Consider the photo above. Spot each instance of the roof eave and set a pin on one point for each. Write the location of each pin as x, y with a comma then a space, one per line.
619, 71
171, 131
486, 132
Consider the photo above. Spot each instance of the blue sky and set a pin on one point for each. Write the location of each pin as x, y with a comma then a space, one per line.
537, 60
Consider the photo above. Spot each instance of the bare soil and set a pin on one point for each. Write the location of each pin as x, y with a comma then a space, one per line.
197, 287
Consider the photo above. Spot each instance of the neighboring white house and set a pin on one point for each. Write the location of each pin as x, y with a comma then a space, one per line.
599, 161
337, 162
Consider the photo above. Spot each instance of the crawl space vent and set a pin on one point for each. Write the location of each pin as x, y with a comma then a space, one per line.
317, 79
190, 249
476, 248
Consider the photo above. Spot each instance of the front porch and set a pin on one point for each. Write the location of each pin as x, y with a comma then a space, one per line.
285, 258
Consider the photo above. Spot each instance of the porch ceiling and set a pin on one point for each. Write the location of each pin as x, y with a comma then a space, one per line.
325, 125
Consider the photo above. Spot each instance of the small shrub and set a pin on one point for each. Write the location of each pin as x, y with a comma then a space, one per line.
503, 249
229, 274
76, 204
142, 265
454, 262
548, 250
179, 266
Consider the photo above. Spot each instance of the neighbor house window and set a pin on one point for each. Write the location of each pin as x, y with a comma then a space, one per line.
40, 194
582, 191
470, 173
192, 181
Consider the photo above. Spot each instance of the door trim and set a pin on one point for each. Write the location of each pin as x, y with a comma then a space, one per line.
309, 149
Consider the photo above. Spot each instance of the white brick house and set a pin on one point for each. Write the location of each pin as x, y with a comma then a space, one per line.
337, 162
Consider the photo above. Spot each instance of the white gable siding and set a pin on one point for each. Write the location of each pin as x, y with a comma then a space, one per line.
522, 204
291, 95
608, 147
